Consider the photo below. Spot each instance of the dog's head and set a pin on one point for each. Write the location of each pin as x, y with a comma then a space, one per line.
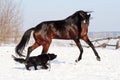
51, 56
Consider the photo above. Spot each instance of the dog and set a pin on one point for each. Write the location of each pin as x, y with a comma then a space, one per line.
40, 60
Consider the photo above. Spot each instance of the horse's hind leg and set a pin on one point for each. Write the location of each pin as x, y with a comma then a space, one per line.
31, 48
85, 38
80, 48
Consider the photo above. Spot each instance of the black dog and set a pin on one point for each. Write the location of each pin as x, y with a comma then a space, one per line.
40, 60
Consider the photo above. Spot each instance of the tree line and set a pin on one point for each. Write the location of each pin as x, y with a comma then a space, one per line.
10, 21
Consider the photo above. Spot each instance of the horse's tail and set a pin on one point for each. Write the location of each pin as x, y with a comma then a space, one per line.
24, 41
20, 60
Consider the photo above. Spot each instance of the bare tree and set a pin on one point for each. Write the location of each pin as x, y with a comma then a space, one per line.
10, 21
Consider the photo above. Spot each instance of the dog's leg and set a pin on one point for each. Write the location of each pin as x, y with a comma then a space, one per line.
49, 65
35, 66
44, 66
27, 67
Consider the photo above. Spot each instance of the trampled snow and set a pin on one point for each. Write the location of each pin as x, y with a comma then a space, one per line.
64, 66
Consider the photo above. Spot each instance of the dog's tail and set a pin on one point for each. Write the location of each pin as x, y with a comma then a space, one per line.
20, 60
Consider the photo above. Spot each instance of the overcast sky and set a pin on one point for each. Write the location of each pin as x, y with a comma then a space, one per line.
106, 15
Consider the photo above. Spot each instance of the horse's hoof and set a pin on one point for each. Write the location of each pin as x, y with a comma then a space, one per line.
76, 60
98, 58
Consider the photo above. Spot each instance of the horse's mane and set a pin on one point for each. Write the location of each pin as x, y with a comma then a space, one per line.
74, 16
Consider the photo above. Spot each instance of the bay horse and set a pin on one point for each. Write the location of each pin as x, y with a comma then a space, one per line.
74, 27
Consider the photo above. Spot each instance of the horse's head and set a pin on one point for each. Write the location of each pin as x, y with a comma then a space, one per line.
84, 16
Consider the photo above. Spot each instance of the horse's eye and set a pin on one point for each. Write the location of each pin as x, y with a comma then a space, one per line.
84, 21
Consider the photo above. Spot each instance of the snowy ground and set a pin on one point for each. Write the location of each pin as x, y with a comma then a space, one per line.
64, 67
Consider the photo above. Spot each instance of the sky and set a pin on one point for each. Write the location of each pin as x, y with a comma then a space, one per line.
106, 13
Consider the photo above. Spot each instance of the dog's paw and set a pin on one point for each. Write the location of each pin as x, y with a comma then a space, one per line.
44, 67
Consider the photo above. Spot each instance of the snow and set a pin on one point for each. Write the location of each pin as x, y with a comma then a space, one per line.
64, 66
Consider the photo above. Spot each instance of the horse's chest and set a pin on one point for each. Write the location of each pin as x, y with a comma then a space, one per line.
84, 29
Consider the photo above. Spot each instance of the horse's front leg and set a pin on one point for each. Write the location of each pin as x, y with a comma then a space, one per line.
80, 48
85, 38
46, 46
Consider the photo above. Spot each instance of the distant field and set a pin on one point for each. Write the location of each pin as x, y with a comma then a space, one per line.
104, 34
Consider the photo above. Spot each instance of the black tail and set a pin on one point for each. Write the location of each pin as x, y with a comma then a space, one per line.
24, 41
20, 60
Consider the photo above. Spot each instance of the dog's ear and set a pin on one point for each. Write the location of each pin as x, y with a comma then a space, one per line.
52, 53
48, 53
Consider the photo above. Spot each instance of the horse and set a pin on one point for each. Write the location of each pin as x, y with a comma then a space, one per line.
74, 27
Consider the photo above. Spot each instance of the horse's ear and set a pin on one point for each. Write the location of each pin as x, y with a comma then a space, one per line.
81, 15
89, 11
89, 15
